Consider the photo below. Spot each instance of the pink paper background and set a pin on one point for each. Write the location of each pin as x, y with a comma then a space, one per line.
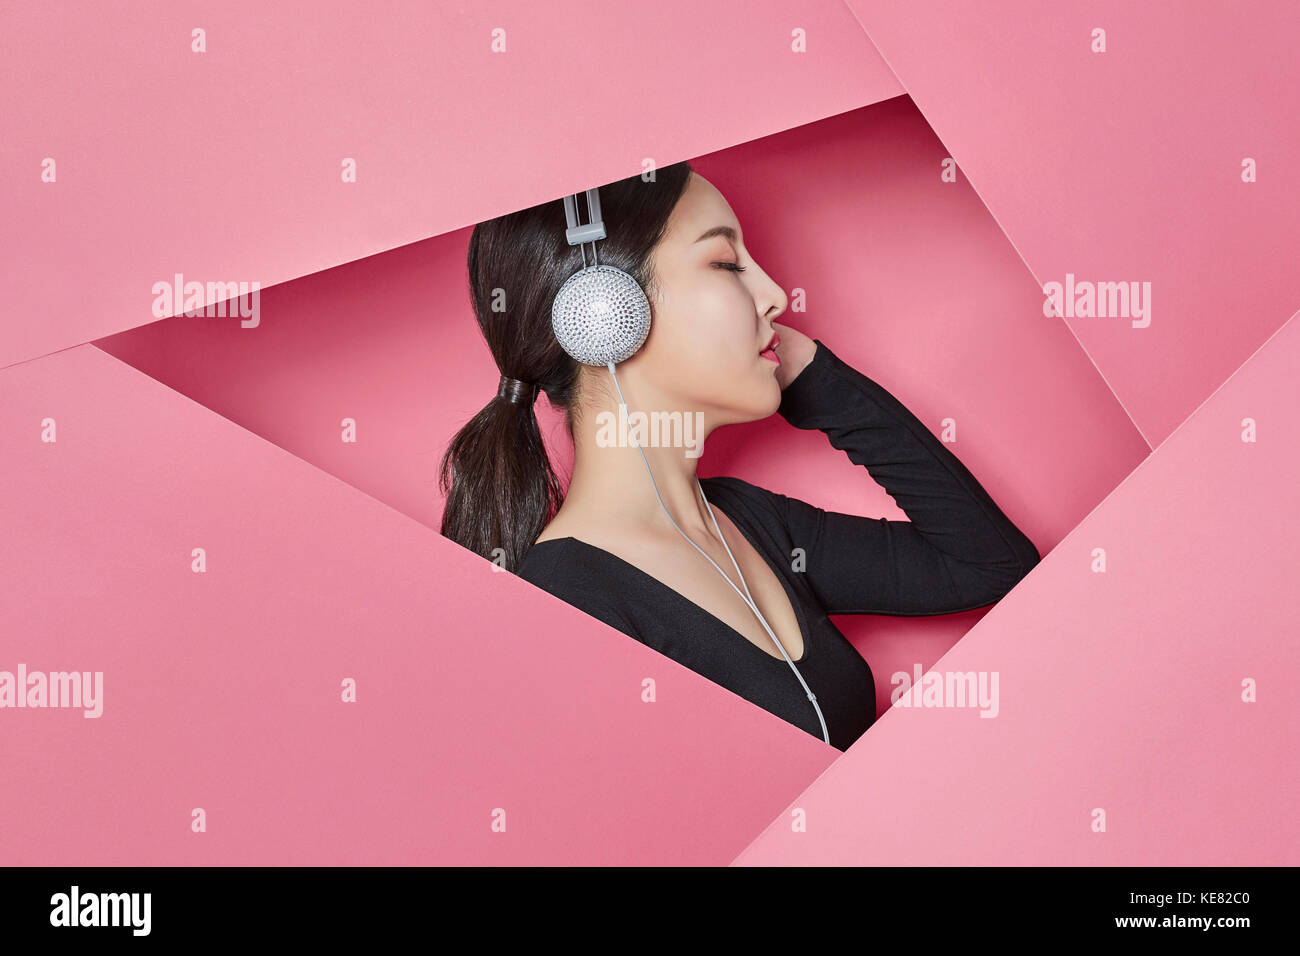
225, 165
1122, 690
1126, 165
1133, 705
222, 689
906, 276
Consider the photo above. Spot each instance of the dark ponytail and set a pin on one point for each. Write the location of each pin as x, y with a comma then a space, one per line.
499, 485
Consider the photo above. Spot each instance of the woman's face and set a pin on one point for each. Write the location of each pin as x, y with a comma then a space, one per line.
711, 321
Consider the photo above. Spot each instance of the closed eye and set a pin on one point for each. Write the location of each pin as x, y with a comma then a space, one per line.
732, 266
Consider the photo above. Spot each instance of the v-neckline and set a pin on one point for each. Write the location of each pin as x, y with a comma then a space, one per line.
794, 604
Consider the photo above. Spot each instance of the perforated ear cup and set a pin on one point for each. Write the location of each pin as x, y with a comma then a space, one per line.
600, 315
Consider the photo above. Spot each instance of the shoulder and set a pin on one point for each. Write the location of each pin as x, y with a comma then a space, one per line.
560, 562
580, 575
731, 485
737, 495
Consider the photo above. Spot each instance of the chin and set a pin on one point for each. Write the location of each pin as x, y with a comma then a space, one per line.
768, 399
775, 402
748, 397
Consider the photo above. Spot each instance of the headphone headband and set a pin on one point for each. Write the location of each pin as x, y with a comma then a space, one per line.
595, 227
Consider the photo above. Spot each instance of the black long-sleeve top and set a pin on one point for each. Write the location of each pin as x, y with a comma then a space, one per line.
957, 552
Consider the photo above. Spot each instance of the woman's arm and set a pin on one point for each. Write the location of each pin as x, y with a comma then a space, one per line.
958, 552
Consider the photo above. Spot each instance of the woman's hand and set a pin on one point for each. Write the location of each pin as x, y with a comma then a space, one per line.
795, 352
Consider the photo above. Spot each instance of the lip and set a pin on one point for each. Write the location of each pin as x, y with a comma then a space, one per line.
769, 350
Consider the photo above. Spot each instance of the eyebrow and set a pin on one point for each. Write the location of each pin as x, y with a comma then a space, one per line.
718, 231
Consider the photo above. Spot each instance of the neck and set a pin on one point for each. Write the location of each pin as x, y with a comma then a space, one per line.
610, 484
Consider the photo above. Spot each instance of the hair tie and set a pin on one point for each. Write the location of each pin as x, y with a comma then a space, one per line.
516, 392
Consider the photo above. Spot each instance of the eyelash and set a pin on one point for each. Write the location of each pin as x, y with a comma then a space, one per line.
731, 266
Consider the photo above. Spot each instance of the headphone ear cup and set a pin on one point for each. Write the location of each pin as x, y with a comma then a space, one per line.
600, 315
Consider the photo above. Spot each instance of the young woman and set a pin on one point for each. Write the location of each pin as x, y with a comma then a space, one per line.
715, 354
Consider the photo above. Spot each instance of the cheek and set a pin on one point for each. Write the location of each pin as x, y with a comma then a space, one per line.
704, 344
722, 319
716, 370
694, 318
704, 355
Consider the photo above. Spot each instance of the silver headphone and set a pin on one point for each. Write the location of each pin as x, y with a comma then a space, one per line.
601, 316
